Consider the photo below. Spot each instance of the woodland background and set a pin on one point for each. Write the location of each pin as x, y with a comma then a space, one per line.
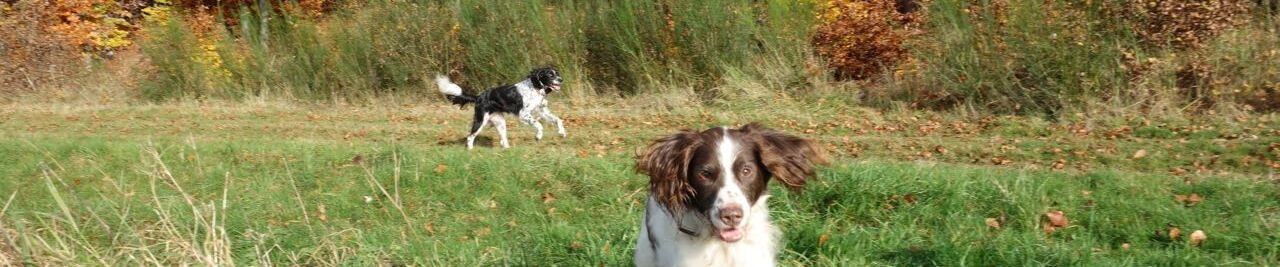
1011, 57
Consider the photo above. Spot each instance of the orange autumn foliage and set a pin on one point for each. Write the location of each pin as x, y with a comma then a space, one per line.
860, 38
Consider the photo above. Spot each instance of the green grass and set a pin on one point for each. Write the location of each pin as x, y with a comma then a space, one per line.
211, 184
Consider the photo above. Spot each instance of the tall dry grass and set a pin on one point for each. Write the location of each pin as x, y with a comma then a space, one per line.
379, 47
1034, 58
166, 225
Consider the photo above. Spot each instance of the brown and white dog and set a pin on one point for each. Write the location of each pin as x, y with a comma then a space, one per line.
708, 191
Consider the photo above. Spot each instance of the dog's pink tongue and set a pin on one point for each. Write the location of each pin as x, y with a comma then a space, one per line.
731, 235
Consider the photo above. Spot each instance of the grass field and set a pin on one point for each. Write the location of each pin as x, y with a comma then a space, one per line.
267, 183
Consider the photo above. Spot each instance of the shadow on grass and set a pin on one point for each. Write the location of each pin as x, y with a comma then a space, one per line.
481, 141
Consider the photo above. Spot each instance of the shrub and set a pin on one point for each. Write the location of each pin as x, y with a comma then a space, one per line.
1241, 66
1022, 56
860, 38
1186, 23
376, 47
33, 57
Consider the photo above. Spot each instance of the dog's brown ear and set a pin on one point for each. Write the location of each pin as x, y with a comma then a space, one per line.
666, 161
789, 158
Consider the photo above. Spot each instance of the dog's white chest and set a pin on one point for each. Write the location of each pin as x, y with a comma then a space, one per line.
670, 247
531, 97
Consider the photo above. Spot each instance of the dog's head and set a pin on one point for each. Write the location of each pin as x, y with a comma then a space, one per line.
721, 173
545, 78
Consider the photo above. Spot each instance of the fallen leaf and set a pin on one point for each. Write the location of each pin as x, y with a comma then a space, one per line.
1193, 199
909, 198
1124, 246
1141, 153
357, 159
1056, 218
1197, 237
822, 239
993, 223
431, 228
1188, 200
1174, 233
1048, 228
548, 197
440, 168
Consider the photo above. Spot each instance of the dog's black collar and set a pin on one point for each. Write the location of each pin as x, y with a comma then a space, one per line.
687, 231
679, 219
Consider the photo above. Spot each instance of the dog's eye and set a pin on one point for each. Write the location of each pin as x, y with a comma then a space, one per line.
705, 174
746, 171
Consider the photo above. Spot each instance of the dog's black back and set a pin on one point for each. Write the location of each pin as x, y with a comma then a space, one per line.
500, 99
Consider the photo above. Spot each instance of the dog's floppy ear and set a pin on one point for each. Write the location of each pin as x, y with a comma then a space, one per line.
666, 161
534, 77
787, 157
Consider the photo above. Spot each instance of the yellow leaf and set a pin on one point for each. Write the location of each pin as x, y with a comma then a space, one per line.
1198, 237
993, 223
1141, 153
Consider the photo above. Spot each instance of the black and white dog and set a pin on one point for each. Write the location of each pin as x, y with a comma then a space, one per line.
707, 194
526, 99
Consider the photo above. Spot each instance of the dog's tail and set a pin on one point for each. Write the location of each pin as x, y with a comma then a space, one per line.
453, 92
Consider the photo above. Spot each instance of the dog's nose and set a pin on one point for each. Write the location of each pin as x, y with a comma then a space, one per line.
731, 215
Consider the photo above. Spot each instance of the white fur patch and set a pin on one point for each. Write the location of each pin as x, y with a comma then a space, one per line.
670, 247
731, 193
447, 87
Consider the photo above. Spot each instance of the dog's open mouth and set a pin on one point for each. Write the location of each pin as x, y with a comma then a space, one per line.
555, 87
732, 234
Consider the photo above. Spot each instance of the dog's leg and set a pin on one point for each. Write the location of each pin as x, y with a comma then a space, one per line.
500, 123
546, 114
481, 119
527, 118
537, 126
